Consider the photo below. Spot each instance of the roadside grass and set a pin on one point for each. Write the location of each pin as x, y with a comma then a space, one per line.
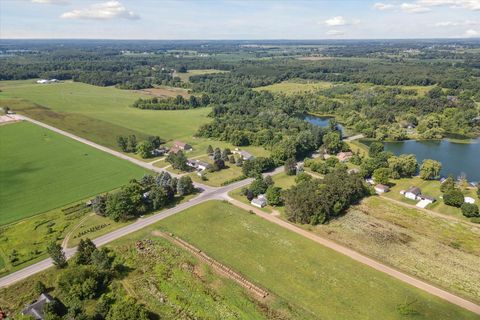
217, 179
316, 281
41, 170
431, 188
431, 248
99, 113
169, 282
27, 239
185, 77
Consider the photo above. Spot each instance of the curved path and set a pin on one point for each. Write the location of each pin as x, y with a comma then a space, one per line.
210, 193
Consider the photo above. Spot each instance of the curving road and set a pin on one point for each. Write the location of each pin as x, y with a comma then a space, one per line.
221, 193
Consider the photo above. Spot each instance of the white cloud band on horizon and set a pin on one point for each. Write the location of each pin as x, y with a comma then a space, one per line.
102, 11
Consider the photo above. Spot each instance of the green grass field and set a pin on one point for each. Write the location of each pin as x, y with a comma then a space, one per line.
186, 76
295, 87
316, 281
41, 170
99, 114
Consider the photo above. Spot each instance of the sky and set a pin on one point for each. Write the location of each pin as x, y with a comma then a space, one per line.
239, 19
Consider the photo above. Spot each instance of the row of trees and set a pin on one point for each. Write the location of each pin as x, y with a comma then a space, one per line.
139, 197
144, 148
454, 197
177, 103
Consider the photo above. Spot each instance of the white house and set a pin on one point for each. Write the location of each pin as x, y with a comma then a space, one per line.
43, 81
469, 200
413, 193
259, 201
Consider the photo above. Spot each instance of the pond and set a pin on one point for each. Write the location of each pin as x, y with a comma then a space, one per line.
323, 122
456, 158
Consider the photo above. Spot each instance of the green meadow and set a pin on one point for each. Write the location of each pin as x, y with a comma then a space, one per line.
316, 281
41, 170
99, 114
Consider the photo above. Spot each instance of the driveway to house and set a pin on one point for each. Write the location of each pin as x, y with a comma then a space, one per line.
221, 193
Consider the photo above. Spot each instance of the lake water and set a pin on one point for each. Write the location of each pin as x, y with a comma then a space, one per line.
456, 158
323, 122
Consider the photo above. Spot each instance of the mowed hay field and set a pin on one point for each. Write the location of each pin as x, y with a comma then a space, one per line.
316, 281
99, 114
42, 170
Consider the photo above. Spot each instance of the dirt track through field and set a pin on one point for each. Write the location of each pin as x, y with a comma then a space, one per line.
363, 259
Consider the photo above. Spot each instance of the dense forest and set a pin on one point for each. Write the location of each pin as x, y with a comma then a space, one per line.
383, 89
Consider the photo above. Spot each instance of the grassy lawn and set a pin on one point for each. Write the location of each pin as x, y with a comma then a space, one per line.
316, 281
165, 92
431, 188
186, 76
99, 113
439, 251
41, 170
216, 179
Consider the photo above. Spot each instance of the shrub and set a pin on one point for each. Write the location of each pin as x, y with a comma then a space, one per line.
453, 198
470, 210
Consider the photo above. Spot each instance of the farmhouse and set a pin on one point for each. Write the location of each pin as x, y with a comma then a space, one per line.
344, 156
36, 309
413, 193
45, 81
244, 154
198, 165
381, 188
259, 201
182, 145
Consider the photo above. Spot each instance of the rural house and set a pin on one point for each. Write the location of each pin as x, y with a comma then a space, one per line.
344, 156
198, 165
259, 201
160, 151
36, 309
413, 193
182, 145
244, 154
381, 188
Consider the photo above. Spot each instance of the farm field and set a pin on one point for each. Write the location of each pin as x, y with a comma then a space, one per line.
168, 274
41, 170
315, 280
99, 114
439, 251
165, 92
431, 188
291, 87
185, 76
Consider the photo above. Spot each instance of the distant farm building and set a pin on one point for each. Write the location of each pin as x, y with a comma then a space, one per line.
160, 151
413, 193
243, 154
45, 81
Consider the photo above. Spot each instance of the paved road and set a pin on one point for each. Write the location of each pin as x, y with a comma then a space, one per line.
221, 193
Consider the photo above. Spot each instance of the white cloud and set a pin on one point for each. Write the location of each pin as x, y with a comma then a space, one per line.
464, 4
335, 33
50, 1
414, 8
470, 33
102, 11
336, 21
457, 23
383, 6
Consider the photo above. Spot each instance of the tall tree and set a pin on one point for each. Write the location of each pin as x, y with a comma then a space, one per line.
430, 169
58, 256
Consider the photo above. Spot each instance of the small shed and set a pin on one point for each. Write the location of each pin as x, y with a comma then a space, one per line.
259, 201
381, 188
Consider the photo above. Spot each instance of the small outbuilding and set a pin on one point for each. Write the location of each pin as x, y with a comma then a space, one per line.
182, 145
344, 156
36, 309
259, 201
381, 188
469, 200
